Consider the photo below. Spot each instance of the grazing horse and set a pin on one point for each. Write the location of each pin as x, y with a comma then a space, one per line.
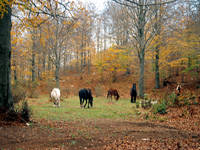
114, 93
85, 94
55, 95
133, 93
178, 89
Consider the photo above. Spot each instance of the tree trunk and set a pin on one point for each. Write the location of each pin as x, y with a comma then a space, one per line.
157, 28
157, 78
43, 62
142, 50
89, 65
5, 57
39, 68
15, 71
33, 55
81, 59
77, 53
141, 76
33, 67
57, 53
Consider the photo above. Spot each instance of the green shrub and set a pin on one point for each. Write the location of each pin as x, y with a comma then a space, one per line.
160, 108
137, 104
146, 116
162, 119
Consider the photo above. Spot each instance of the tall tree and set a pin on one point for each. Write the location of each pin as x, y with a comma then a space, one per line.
5, 56
142, 30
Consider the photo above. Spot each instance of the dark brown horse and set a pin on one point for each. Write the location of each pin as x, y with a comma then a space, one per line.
113, 92
133, 93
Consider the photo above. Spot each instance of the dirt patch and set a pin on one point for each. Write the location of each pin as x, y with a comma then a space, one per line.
95, 134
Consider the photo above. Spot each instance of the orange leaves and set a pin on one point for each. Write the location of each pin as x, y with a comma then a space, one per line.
113, 60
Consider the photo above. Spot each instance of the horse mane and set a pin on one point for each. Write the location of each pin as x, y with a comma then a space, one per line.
88, 90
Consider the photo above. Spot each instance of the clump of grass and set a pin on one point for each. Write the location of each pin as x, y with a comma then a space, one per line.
72, 143
33, 93
146, 116
162, 119
137, 104
88, 81
26, 111
98, 90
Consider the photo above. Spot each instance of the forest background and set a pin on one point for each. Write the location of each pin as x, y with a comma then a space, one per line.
70, 45
75, 46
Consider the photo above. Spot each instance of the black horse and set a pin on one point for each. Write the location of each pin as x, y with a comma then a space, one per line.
85, 94
133, 93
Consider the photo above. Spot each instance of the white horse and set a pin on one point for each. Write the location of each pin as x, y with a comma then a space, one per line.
55, 95
178, 90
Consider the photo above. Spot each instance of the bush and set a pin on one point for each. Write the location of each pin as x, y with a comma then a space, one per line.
18, 93
21, 114
98, 90
160, 108
25, 111
33, 93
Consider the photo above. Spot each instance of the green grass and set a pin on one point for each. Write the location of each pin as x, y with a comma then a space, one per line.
70, 109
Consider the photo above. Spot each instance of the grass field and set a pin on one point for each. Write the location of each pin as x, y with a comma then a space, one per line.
70, 109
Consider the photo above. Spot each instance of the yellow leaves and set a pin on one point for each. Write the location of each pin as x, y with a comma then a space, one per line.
113, 60
3, 7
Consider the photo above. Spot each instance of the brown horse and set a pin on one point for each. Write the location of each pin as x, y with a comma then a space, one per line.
114, 93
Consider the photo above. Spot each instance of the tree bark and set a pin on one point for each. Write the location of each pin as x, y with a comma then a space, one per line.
141, 75
33, 55
5, 57
142, 49
157, 28
57, 53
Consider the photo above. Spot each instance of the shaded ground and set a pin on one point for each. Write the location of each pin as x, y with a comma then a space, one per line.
97, 134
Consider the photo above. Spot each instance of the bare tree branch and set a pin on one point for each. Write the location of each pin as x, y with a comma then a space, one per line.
124, 2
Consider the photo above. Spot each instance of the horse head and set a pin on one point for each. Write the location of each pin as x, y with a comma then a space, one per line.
134, 85
91, 101
117, 97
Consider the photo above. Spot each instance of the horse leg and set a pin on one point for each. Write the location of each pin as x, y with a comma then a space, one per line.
88, 103
58, 102
85, 103
131, 98
134, 99
81, 104
54, 102
108, 94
